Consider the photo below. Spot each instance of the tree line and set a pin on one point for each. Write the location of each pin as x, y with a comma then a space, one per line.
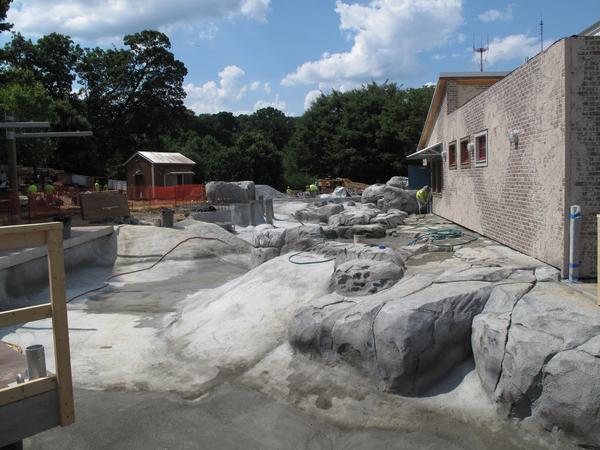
132, 98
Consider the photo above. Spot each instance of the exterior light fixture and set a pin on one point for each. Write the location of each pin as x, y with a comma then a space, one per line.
513, 137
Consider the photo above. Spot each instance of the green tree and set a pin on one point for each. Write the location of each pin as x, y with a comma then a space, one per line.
272, 123
29, 102
4, 4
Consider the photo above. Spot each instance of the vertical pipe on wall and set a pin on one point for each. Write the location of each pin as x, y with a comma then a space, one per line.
574, 253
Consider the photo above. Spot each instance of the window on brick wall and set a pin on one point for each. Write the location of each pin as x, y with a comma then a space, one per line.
465, 157
481, 149
452, 155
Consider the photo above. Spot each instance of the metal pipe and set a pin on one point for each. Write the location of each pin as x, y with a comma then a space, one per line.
574, 253
36, 361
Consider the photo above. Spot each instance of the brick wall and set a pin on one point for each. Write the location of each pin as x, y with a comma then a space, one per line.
583, 141
518, 198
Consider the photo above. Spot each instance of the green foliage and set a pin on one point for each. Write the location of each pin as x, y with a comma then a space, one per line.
363, 134
4, 26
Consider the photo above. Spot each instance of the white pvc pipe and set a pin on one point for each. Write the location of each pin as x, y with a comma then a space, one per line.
574, 243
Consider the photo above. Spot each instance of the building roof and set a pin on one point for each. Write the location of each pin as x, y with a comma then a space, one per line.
163, 158
430, 152
438, 95
592, 30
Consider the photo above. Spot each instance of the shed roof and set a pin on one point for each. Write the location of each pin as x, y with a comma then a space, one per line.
163, 158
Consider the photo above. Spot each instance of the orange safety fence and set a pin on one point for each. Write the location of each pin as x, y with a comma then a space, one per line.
167, 195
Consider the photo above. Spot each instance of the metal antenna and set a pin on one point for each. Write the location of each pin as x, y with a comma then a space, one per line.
541, 34
481, 50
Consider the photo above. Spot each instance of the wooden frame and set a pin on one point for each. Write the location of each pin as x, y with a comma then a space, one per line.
476, 151
51, 235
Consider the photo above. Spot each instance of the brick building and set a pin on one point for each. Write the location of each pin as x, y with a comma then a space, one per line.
148, 170
511, 152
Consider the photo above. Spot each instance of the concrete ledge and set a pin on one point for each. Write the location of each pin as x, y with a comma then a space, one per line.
79, 236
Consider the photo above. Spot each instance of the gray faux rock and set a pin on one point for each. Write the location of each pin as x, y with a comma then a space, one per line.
407, 337
372, 193
369, 231
320, 214
303, 237
535, 360
248, 187
547, 273
398, 198
223, 192
399, 182
363, 277
261, 255
268, 236
352, 217
390, 219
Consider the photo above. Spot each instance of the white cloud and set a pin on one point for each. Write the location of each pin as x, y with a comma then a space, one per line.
387, 36
229, 93
208, 33
491, 15
213, 97
310, 98
102, 19
267, 88
277, 104
514, 46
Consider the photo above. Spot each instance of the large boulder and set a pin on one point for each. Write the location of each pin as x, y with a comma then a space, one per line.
352, 217
372, 193
260, 255
390, 219
407, 337
319, 214
268, 236
365, 277
399, 182
535, 355
248, 187
303, 238
369, 231
399, 198
223, 192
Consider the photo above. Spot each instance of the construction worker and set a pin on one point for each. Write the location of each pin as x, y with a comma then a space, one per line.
49, 188
289, 191
97, 186
313, 189
423, 196
32, 189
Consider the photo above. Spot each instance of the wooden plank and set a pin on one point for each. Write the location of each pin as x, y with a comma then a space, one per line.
20, 229
27, 239
24, 315
27, 389
60, 325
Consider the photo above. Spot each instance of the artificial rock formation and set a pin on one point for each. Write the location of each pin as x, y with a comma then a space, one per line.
537, 353
223, 192
372, 193
319, 214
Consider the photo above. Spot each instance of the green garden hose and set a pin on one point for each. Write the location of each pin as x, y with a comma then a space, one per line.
442, 234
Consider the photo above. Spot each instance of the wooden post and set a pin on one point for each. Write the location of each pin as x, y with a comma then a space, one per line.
58, 299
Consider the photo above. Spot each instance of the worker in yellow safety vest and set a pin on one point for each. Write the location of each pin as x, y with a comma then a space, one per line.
289, 191
32, 189
423, 197
97, 186
313, 189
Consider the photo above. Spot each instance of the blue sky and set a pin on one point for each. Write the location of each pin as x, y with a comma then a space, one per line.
245, 54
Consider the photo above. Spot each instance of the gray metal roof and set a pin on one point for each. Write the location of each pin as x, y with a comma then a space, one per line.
429, 152
163, 158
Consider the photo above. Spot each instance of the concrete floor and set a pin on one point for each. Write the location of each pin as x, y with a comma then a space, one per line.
230, 417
